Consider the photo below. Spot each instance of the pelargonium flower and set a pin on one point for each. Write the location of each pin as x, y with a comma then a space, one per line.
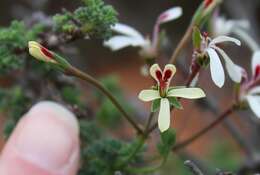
250, 89
211, 50
40, 52
222, 26
164, 93
131, 37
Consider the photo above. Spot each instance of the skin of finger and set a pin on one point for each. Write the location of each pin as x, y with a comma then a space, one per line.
13, 162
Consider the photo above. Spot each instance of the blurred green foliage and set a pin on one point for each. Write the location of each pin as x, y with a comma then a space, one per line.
13, 41
92, 20
14, 103
101, 154
107, 114
224, 156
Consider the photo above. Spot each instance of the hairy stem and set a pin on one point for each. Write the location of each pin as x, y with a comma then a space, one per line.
203, 131
77, 73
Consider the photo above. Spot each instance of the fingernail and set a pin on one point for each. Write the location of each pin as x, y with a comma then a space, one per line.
48, 137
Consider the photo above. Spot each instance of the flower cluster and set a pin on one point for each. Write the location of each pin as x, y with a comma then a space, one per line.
164, 93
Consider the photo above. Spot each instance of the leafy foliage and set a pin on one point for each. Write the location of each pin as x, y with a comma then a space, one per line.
14, 103
101, 155
93, 20
13, 40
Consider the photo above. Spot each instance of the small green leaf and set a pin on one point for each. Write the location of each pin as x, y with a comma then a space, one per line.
174, 102
168, 139
196, 38
155, 105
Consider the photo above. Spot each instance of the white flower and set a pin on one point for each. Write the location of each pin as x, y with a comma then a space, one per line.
210, 48
222, 26
253, 93
131, 37
163, 93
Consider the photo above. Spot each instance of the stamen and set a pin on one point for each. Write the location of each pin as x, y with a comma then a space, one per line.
46, 52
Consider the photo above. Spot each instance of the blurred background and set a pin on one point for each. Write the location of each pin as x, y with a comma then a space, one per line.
218, 148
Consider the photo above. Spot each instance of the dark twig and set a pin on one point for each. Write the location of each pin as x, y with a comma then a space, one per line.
193, 167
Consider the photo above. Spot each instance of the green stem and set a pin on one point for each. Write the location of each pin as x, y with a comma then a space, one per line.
146, 170
81, 75
197, 19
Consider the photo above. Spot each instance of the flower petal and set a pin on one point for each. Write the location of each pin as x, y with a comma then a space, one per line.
164, 115
223, 38
126, 30
170, 67
153, 69
216, 68
148, 95
255, 61
190, 93
254, 103
170, 14
118, 42
234, 71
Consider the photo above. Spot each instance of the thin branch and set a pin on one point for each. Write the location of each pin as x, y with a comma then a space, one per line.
193, 167
78, 73
203, 131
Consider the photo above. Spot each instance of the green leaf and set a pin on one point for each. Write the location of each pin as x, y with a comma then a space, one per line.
155, 105
196, 38
168, 139
175, 103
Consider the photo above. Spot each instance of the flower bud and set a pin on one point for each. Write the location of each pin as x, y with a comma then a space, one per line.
40, 52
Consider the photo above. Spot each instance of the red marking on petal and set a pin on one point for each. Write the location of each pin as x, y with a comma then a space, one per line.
158, 75
167, 75
46, 52
207, 2
257, 71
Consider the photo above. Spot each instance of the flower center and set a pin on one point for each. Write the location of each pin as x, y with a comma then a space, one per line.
46, 52
163, 81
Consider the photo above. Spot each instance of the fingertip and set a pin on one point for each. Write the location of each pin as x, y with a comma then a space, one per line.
45, 142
